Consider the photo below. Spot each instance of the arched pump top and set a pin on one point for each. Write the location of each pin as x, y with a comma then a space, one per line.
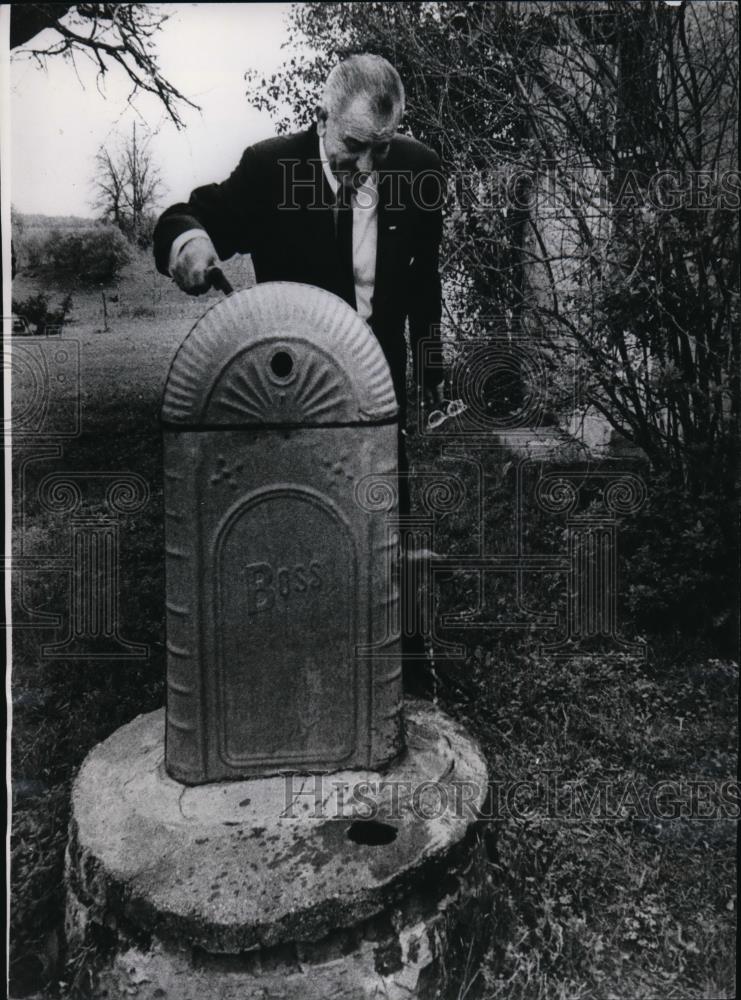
279, 354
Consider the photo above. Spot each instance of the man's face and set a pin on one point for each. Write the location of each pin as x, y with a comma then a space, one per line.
356, 140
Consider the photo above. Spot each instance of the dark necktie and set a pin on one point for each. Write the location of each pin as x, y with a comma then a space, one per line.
344, 246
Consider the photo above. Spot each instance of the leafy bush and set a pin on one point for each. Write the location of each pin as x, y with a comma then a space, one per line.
36, 312
31, 249
97, 254
142, 233
643, 288
146, 231
679, 569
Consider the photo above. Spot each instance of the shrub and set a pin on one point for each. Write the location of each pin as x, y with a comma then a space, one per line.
36, 312
31, 249
679, 567
142, 233
97, 254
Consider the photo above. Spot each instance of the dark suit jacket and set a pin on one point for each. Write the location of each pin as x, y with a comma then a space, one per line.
278, 206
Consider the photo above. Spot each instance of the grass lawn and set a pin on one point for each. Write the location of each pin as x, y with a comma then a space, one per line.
621, 902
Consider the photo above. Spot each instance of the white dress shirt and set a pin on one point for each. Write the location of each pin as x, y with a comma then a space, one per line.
364, 236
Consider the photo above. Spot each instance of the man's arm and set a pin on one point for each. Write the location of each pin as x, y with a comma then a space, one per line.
218, 219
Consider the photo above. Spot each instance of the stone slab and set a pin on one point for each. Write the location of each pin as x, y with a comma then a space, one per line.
234, 866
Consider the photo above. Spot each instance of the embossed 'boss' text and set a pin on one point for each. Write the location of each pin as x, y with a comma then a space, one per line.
263, 583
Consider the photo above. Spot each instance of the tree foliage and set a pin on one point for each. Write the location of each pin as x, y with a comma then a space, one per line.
106, 33
94, 255
590, 150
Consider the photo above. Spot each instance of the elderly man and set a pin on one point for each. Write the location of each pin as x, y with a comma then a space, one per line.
348, 205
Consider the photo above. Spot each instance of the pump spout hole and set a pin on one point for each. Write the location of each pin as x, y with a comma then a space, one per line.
281, 364
371, 833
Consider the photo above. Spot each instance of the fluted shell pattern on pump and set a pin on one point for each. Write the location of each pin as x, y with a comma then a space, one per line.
279, 353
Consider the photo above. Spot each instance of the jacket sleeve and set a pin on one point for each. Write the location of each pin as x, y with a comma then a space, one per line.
229, 212
425, 292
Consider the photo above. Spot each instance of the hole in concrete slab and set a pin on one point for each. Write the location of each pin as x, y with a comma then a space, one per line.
282, 364
371, 832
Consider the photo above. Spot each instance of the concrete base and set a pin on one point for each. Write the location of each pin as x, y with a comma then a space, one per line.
351, 885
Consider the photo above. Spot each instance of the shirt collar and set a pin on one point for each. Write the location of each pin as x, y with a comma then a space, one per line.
369, 184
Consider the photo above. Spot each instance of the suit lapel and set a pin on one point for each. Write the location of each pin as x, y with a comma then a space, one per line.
320, 221
388, 222
394, 196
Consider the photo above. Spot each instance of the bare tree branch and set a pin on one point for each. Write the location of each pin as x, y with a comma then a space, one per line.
108, 33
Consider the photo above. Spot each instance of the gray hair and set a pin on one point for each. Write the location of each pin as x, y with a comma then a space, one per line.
370, 75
